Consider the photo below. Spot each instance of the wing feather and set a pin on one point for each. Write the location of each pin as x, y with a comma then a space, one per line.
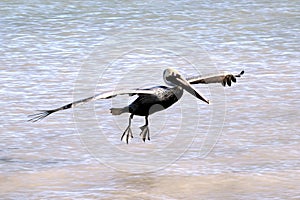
44, 113
224, 79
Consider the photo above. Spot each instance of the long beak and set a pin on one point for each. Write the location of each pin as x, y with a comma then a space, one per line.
182, 82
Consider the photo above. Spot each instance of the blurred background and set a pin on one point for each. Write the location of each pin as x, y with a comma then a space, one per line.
243, 146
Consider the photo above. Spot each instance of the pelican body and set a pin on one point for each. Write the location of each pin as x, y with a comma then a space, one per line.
150, 100
144, 105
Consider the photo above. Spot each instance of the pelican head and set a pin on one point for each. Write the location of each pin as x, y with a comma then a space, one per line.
173, 78
170, 74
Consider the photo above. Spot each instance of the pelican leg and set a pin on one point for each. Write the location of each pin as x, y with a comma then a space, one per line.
145, 130
128, 131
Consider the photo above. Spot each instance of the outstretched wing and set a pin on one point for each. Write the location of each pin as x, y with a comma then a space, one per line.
220, 78
44, 113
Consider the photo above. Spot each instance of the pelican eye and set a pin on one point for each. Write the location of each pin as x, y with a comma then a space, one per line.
176, 75
169, 78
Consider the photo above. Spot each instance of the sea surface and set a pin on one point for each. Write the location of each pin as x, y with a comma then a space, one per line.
244, 145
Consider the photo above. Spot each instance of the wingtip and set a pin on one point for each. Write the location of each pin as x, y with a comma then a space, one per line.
240, 74
40, 115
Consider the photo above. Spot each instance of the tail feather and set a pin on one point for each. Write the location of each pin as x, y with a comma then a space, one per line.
119, 111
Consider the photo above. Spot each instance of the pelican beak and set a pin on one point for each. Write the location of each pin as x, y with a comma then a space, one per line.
182, 82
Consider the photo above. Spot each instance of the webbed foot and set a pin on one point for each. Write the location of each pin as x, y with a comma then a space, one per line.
127, 134
145, 132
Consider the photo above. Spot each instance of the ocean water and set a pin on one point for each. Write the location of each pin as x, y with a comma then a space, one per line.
244, 145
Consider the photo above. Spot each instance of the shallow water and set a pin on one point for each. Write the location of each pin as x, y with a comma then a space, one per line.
245, 145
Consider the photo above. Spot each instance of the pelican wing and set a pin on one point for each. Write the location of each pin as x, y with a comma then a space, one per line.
224, 79
44, 113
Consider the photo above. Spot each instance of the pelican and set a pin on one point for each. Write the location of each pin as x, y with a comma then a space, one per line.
149, 100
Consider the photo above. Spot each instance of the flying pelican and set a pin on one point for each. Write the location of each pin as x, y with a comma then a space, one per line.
150, 100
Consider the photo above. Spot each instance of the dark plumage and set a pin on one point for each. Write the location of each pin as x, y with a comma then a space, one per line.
150, 100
